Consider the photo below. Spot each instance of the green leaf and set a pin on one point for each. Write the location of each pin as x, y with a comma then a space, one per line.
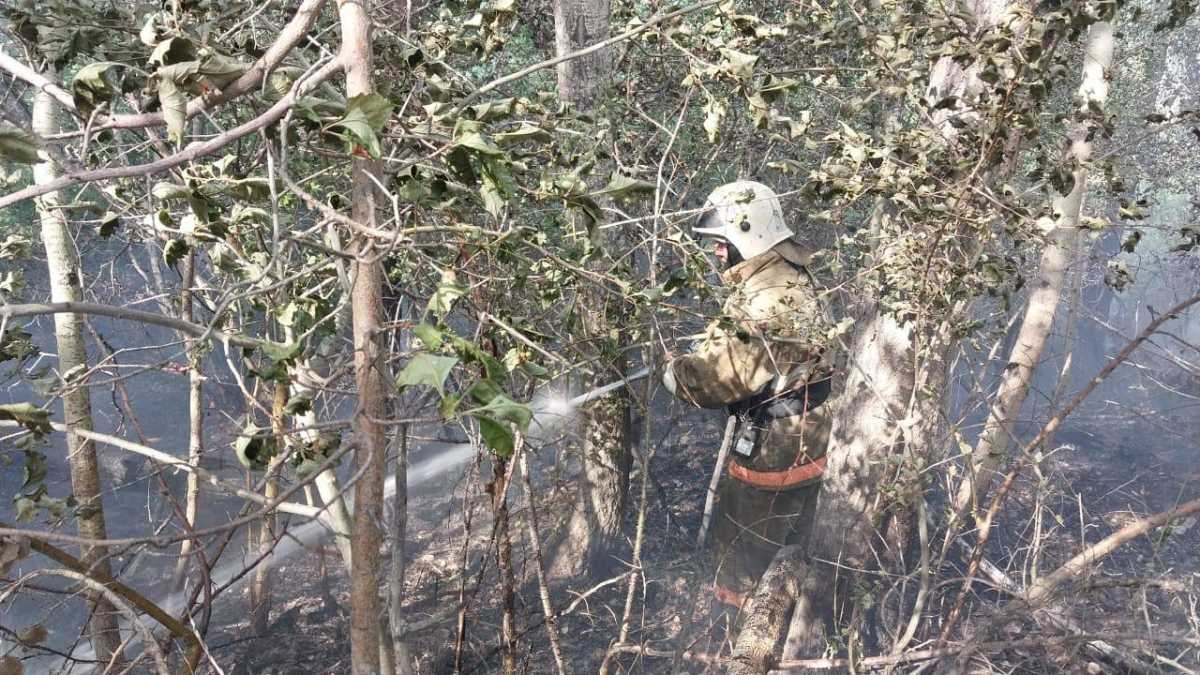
26, 509
306, 466
280, 352
429, 370
173, 252
447, 292
90, 87
169, 191
27, 415
501, 407
174, 108
172, 51
714, 113
483, 391
365, 116
254, 448
469, 134
535, 370
280, 82
12, 551
34, 472
286, 315
254, 189
449, 406
497, 436
428, 335
471, 353
218, 71
1131, 241
17, 146
108, 224
739, 64
525, 132
623, 187
496, 187
298, 404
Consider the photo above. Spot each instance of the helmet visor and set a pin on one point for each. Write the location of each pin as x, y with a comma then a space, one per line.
709, 224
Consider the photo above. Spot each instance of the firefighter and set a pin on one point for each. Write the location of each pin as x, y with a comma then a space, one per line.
764, 361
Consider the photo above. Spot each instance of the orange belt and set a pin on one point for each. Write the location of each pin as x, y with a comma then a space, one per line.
779, 479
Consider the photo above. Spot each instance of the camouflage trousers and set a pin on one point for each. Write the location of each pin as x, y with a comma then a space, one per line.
750, 524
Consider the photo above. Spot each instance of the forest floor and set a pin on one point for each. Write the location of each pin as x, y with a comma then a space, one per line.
1093, 484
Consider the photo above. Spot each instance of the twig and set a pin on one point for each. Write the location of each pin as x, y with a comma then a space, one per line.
549, 63
289, 36
171, 460
160, 661
133, 597
1027, 452
124, 313
1092, 554
192, 152
539, 565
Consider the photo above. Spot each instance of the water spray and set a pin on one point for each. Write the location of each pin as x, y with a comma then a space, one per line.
553, 407
596, 393
231, 572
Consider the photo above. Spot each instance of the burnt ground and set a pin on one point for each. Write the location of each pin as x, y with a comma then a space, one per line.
1106, 470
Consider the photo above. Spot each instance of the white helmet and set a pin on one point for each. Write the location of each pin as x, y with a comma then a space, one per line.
746, 214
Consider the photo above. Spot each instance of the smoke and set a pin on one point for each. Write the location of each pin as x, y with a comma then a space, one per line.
553, 407
302, 538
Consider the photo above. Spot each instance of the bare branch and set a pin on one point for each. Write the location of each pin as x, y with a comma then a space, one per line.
1092, 554
192, 152
23, 72
188, 328
295, 31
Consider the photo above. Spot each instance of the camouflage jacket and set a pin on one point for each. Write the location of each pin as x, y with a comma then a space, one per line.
771, 336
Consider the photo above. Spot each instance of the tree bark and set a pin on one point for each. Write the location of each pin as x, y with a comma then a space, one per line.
366, 300
195, 419
501, 474
767, 613
260, 587
1043, 301
65, 286
579, 24
398, 533
595, 523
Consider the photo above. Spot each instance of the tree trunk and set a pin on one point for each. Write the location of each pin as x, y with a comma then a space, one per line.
195, 419
501, 473
366, 299
65, 286
399, 530
595, 523
260, 587
579, 24
1043, 301
767, 613
869, 425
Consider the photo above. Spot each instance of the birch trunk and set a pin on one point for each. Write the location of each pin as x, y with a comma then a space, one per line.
1043, 301
366, 300
62, 265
